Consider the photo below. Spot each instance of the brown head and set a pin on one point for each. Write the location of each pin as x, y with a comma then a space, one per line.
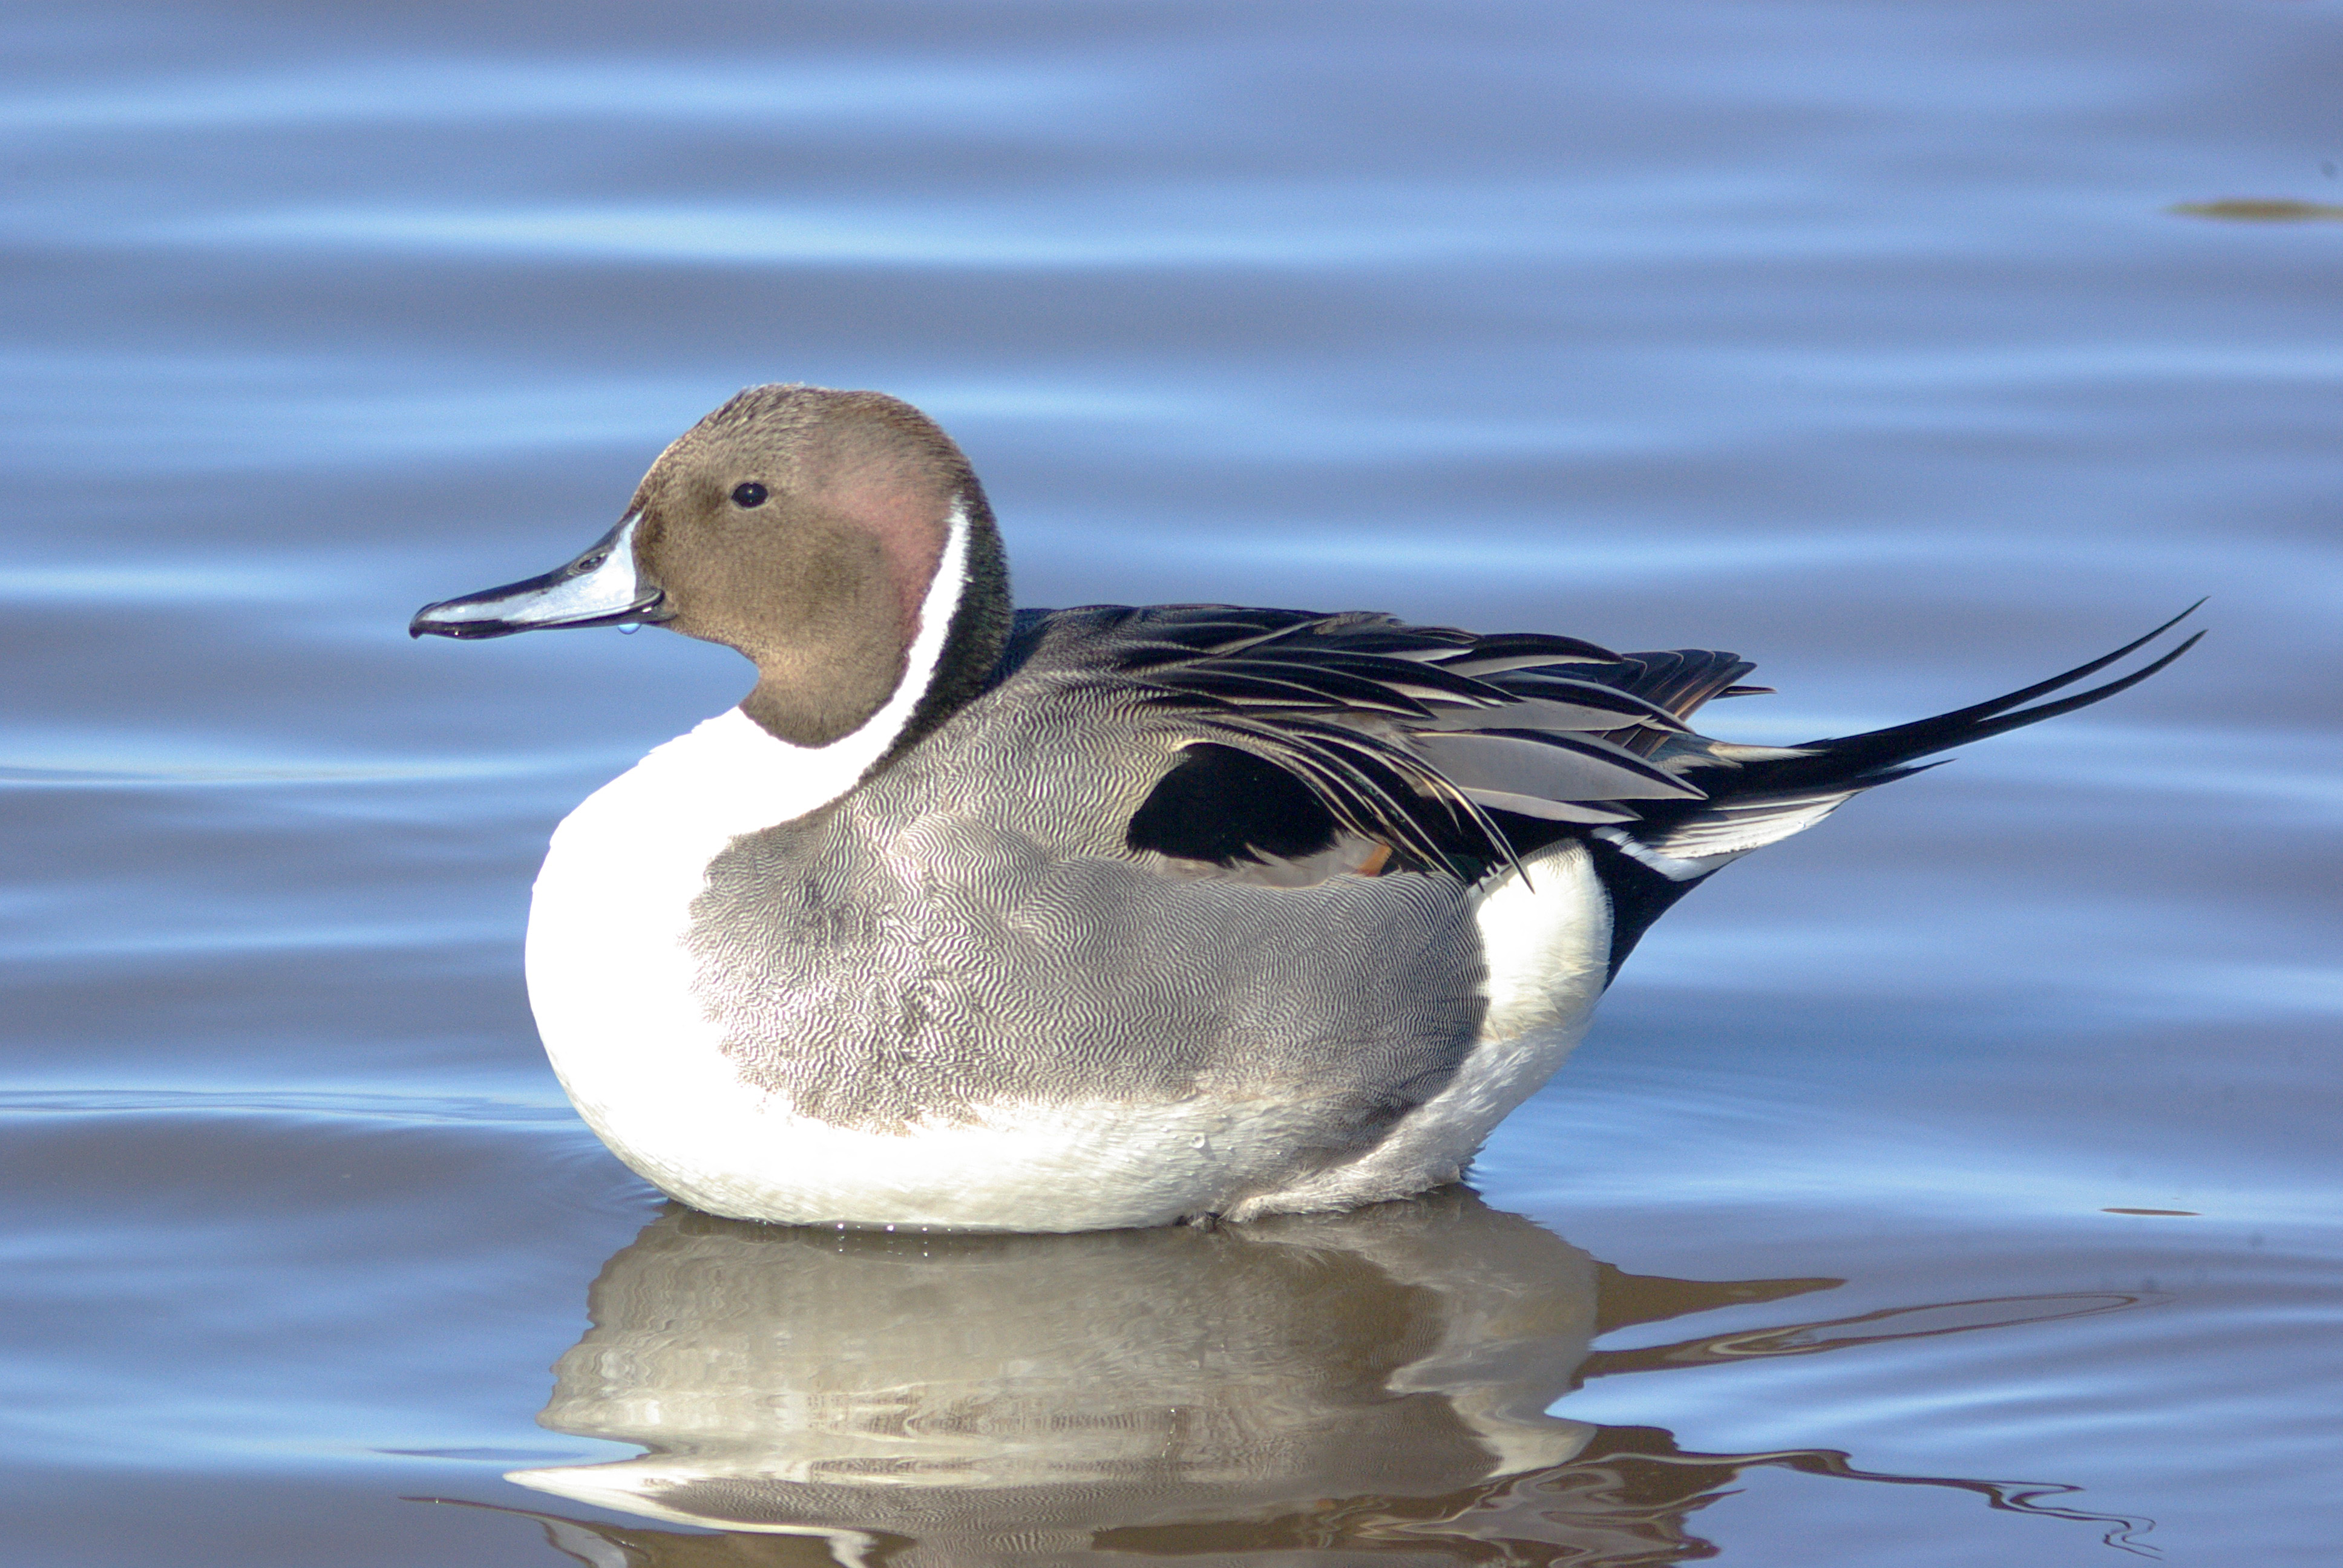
806, 528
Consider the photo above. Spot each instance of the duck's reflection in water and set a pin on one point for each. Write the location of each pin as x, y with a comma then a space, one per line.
1351, 1383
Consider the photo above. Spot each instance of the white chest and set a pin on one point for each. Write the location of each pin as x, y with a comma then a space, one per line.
609, 977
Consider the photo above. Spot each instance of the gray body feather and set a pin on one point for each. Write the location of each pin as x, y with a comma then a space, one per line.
972, 925
942, 938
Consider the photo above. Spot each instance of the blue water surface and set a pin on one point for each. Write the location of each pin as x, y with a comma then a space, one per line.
1968, 1163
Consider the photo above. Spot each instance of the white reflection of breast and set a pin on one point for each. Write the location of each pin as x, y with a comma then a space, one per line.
812, 1380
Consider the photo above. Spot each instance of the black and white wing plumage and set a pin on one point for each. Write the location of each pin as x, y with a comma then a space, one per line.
1463, 753
1423, 738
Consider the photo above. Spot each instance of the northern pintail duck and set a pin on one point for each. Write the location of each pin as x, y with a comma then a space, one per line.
1069, 919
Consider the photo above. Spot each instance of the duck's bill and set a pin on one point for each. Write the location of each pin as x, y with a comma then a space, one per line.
601, 588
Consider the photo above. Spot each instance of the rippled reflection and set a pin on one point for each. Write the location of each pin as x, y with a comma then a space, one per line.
1364, 1383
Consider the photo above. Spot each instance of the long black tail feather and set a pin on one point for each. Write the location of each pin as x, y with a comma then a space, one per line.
1851, 757
1648, 864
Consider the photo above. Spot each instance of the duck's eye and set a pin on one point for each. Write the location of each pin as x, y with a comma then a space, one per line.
751, 493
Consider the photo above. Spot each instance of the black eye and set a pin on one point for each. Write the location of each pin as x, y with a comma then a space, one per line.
751, 493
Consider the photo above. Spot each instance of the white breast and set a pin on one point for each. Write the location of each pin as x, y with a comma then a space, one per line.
609, 977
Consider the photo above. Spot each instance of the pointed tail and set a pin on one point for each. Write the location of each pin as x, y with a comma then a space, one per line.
1760, 795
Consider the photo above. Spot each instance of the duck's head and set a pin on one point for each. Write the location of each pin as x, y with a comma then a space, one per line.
838, 539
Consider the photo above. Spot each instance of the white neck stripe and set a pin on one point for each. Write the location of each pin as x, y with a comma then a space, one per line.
937, 609
731, 776
818, 775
